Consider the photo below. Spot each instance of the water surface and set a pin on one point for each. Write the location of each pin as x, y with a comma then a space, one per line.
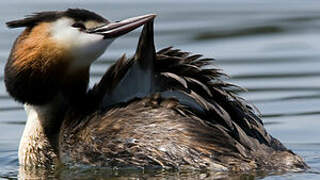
272, 48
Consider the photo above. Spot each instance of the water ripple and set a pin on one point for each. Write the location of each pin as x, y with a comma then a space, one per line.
276, 75
272, 48
252, 31
290, 114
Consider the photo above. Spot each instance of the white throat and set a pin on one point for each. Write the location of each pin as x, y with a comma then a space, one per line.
38, 145
32, 129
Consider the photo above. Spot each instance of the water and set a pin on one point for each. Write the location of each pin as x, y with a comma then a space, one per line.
271, 48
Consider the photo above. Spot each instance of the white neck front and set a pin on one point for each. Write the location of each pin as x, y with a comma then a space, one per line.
38, 145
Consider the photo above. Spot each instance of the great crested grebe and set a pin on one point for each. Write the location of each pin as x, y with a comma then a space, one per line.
166, 109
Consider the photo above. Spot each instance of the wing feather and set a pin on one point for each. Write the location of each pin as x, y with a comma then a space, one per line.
176, 74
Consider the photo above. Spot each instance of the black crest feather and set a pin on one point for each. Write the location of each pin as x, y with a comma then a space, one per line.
48, 16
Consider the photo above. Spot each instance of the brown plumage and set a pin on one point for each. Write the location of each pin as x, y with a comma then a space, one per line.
167, 109
221, 131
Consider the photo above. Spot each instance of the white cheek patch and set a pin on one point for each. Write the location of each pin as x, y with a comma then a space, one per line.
63, 33
92, 45
85, 48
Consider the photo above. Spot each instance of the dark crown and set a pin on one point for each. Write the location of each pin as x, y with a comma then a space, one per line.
48, 16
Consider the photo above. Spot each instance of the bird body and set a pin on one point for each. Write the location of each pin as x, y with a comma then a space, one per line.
164, 109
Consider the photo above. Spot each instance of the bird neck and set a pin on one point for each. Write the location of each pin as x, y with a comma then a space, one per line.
39, 142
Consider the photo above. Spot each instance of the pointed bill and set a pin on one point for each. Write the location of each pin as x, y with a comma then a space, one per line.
116, 29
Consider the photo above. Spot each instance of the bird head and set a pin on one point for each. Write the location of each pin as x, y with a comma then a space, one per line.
56, 50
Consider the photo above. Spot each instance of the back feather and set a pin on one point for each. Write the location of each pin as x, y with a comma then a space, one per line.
190, 79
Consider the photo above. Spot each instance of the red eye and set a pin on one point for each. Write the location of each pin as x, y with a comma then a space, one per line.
79, 25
